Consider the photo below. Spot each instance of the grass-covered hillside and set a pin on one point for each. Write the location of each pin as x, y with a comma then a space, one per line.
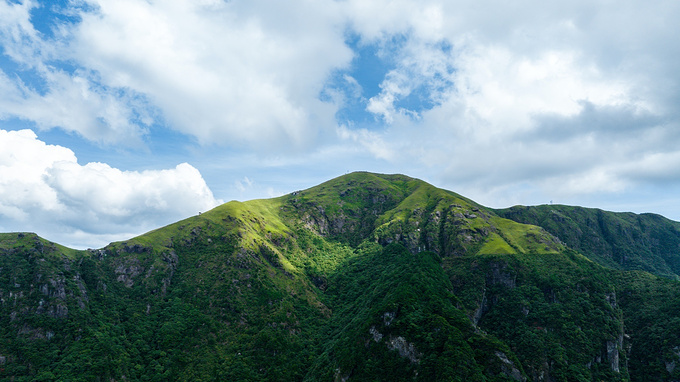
626, 241
366, 277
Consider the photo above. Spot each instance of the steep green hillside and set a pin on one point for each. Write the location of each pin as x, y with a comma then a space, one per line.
398, 209
366, 277
627, 241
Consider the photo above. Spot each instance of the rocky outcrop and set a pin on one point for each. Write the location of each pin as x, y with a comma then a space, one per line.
54, 288
497, 273
501, 273
127, 270
58, 311
405, 349
613, 357
449, 231
171, 259
509, 368
396, 342
672, 362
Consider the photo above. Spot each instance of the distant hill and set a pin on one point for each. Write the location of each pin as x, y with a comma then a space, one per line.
626, 241
364, 277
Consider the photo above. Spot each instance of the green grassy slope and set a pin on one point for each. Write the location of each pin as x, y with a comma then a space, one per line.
395, 208
364, 277
627, 241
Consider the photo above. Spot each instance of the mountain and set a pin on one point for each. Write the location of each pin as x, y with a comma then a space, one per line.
625, 241
364, 277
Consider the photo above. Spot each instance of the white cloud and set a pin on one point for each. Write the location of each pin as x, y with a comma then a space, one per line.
570, 97
243, 185
43, 188
507, 89
23, 162
367, 140
236, 73
562, 99
51, 97
75, 104
382, 19
241, 73
19, 39
109, 193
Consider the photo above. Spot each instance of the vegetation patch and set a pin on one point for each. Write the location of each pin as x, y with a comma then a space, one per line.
365, 277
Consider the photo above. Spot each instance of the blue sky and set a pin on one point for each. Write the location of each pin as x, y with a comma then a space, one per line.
120, 116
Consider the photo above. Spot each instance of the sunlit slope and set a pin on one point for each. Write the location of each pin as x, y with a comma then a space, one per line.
359, 207
27, 240
396, 208
364, 277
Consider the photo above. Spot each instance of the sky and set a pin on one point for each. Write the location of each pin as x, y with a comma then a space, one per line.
121, 116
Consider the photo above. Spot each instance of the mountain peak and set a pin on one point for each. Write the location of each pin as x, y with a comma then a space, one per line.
366, 277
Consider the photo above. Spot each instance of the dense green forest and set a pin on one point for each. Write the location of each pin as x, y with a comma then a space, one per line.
366, 277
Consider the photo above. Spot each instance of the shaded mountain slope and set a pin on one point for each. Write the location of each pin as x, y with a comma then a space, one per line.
364, 277
627, 241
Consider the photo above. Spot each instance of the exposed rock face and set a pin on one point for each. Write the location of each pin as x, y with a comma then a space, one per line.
60, 311
171, 259
377, 336
127, 271
613, 353
388, 317
137, 248
672, 363
82, 298
398, 343
54, 288
611, 299
58, 288
616, 345
351, 218
444, 231
318, 223
405, 349
481, 309
509, 367
340, 376
500, 273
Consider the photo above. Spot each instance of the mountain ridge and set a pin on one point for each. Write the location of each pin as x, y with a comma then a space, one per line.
364, 277
619, 240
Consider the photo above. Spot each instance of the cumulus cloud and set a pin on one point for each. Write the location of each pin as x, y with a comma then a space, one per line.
542, 99
241, 73
23, 160
485, 97
43, 188
251, 73
51, 97
234, 73
424, 69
